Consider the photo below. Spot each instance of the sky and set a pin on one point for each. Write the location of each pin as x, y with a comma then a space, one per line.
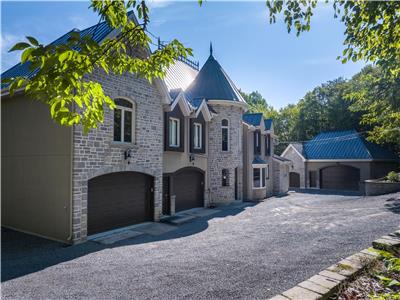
258, 56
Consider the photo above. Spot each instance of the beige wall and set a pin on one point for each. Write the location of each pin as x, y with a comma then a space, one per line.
36, 170
173, 161
251, 193
365, 169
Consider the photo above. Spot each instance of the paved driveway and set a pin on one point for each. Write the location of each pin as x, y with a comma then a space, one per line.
242, 253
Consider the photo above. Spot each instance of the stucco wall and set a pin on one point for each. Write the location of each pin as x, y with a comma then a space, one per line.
364, 167
173, 161
35, 171
230, 159
96, 153
298, 165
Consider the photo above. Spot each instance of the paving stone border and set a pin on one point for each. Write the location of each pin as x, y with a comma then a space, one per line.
326, 283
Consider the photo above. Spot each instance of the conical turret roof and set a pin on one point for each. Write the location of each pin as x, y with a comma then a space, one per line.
212, 83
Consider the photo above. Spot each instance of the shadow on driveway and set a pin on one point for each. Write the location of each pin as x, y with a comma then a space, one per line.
326, 192
23, 254
393, 204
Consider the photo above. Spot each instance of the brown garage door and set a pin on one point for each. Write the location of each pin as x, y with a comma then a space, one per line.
340, 178
294, 180
188, 187
118, 200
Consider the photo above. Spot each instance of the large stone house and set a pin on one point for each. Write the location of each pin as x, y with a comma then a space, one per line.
169, 146
337, 160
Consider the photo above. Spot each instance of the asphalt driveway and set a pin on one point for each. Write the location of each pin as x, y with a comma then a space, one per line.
244, 253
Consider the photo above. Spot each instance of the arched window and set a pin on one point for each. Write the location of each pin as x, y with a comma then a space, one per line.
225, 134
124, 121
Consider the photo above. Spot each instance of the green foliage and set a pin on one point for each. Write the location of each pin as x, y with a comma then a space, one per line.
377, 98
63, 78
372, 28
393, 177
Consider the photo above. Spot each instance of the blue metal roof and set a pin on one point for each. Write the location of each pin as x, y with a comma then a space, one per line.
99, 31
344, 145
258, 161
253, 119
212, 83
267, 124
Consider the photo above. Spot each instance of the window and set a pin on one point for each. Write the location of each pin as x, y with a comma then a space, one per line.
257, 142
225, 134
267, 172
197, 136
174, 132
268, 145
259, 177
225, 177
124, 121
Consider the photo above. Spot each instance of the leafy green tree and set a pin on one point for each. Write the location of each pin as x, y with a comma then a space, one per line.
62, 79
377, 98
372, 28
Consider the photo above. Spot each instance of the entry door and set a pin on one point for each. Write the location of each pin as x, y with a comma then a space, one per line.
236, 183
166, 208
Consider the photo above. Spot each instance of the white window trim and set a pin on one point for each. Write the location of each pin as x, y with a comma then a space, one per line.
261, 167
122, 125
200, 137
228, 144
178, 127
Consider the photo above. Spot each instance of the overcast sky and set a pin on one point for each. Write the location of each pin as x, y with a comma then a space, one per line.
256, 55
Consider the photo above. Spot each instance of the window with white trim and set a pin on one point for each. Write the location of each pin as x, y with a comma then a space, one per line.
197, 135
225, 134
174, 132
258, 177
124, 121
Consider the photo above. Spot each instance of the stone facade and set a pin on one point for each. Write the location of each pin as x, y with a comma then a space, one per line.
231, 159
97, 154
280, 177
298, 165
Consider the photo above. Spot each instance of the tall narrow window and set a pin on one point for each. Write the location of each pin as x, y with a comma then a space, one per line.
225, 134
124, 121
197, 136
257, 142
174, 132
268, 145
225, 177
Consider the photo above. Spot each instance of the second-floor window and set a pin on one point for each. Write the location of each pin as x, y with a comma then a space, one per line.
174, 132
267, 145
257, 142
197, 135
124, 120
225, 134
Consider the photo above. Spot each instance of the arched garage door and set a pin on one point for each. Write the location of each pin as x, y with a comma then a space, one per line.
119, 199
294, 180
340, 178
188, 187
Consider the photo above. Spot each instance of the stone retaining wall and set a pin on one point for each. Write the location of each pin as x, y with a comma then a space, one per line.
376, 187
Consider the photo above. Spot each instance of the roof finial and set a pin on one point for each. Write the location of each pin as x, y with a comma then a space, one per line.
211, 49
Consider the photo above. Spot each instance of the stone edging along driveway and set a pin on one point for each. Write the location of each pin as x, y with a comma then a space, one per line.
327, 282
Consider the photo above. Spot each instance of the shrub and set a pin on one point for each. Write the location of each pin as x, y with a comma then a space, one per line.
393, 177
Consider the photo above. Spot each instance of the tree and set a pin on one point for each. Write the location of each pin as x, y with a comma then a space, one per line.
372, 28
377, 99
62, 77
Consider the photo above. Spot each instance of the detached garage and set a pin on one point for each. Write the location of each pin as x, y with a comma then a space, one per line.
119, 199
338, 160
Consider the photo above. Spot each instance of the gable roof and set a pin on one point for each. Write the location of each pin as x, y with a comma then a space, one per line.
212, 83
99, 32
253, 119
344, 145
267, 124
